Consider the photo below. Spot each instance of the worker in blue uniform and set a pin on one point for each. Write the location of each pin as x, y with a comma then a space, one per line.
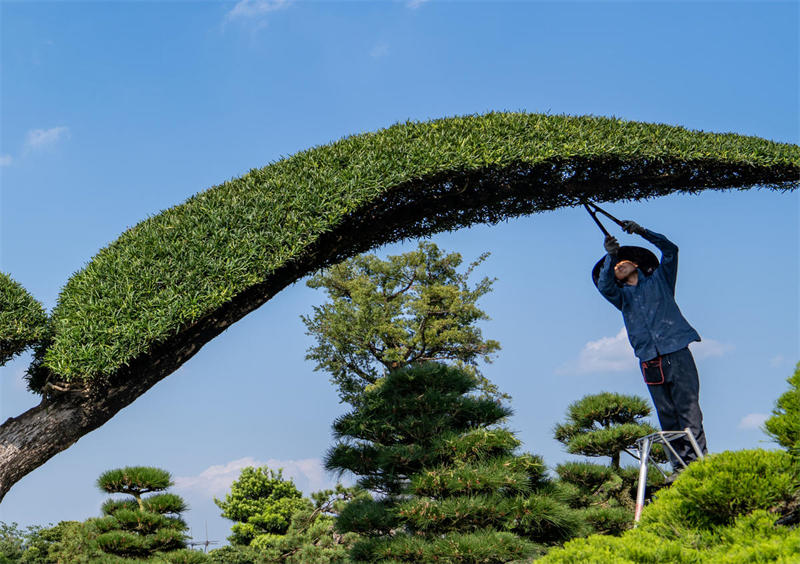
658, 332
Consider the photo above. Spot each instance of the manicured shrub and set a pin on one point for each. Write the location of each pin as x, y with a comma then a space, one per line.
140, 526
722, 510
175, 268
23, 320
784, 425
724, 486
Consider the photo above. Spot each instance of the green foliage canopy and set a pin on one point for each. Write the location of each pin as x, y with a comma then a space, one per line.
139, 527
23, 320
183, 266
384, 315
784, 425
604, 424
722, 510
453, 488
260, 502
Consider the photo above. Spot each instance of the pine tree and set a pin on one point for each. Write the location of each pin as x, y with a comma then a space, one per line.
449, 484
140, 527
605, 425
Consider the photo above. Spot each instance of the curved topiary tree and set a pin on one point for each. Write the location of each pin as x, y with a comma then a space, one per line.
605, 425
139, 526
150, 300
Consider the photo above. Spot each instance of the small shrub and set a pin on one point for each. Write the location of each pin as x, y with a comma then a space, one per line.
723, 486
784, 425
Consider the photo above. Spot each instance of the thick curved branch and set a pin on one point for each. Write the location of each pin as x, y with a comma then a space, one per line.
411, 210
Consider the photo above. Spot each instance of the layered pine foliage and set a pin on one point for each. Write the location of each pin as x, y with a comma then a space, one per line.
605, 425
140, 528
451, 487
275, 224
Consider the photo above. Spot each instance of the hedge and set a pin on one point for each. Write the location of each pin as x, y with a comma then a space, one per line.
179, 267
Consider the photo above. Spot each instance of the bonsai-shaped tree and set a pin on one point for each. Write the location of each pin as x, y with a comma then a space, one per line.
450, 486
149, 301
261, 503
605, 425
139, 526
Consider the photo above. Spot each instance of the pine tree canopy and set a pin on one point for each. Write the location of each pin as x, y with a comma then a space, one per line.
211, 259
23, 320
134, 480
386, 314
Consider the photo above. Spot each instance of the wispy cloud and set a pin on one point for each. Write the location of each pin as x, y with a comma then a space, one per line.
37, 139
308, 475
609, 354
708, 348
753, 421
414, 4
777, 360
255, 9
381, 49
6, 160
615, 354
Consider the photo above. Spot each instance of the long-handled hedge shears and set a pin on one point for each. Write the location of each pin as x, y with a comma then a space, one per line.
605, 213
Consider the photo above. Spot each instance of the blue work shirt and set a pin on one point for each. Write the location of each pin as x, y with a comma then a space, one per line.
654, 323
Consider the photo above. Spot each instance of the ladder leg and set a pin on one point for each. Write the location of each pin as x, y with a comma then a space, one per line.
644, 454
692, 440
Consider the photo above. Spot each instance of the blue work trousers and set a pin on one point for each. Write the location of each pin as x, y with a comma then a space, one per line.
677, 403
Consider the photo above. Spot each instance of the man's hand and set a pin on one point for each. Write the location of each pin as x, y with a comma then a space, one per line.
611, 245
632, 227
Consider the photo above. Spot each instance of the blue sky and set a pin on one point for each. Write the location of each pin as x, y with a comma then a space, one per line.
113, 111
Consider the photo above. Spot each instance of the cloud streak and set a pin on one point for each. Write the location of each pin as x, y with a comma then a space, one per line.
6, 160
753, 421
609, 354
615, 354
308, 475
37, 139
255, 9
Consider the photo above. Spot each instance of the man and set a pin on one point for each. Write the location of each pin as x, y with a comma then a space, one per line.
657, 331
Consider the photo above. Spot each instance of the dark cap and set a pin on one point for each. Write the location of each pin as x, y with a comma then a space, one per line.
645, 258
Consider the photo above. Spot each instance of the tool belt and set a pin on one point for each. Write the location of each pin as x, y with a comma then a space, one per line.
653, 371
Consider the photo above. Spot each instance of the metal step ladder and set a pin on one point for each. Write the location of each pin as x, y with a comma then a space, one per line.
643, 447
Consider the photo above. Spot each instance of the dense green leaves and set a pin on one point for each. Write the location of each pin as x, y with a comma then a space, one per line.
605, 424
383, 315
176, 268
722, 510
134, 480
23, 320
726, 486
784, 425
453, 489
260, 502
137, 526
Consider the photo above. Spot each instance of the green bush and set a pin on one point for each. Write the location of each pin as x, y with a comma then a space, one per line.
487, 546
260, 502
751, 539
23, 320
784, 425
725, 486
176, 268
722, 510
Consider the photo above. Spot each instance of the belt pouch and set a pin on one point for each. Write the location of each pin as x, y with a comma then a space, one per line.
653, 372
